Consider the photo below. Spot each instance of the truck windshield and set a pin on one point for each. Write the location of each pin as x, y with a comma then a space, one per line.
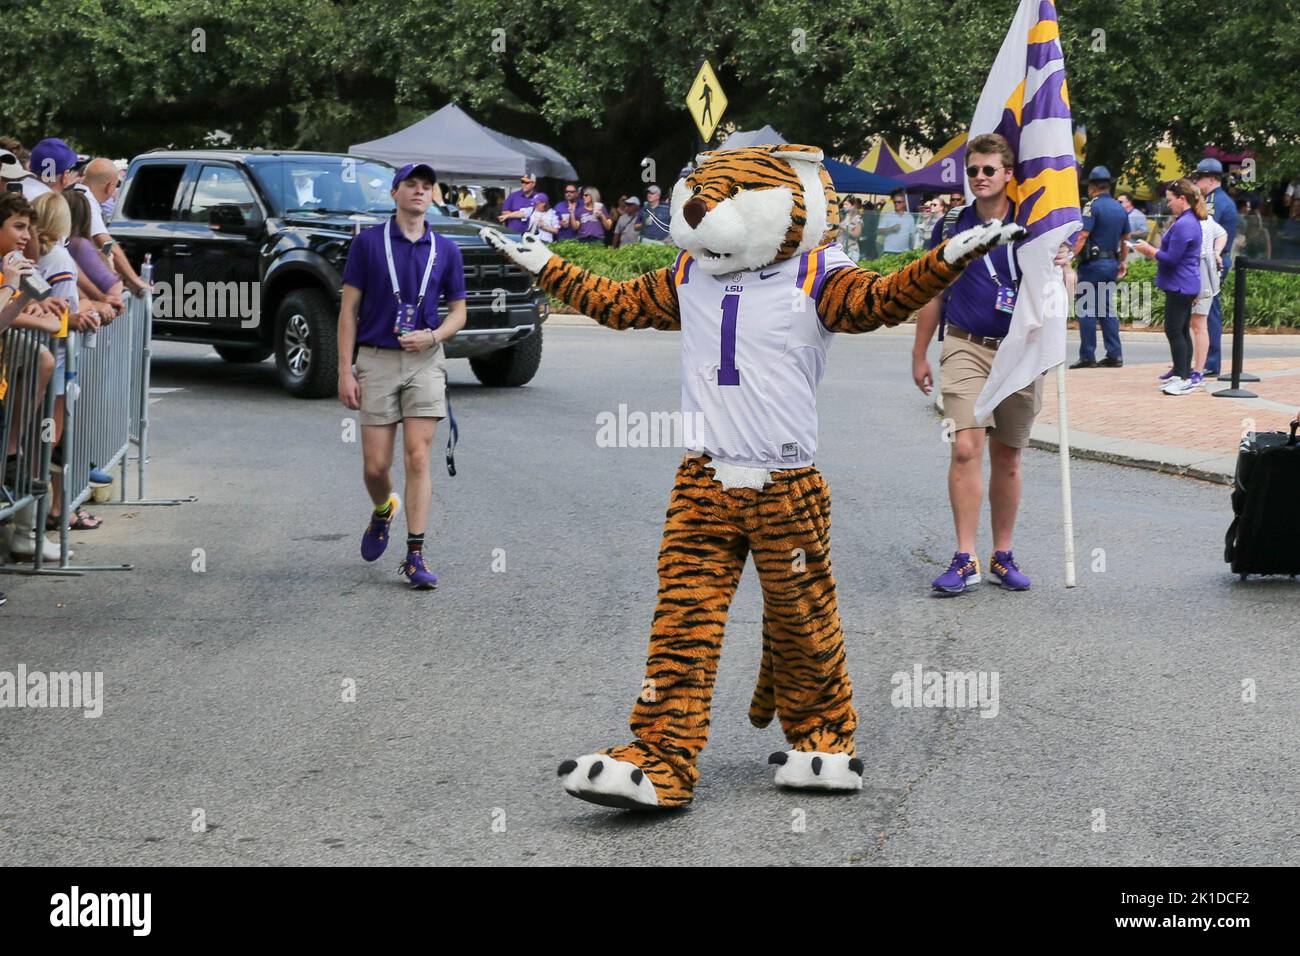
323, 184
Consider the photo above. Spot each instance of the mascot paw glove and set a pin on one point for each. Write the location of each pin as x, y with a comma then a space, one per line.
529, 252
976, 241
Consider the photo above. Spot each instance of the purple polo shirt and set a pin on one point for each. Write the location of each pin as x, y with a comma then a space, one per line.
367, 270
516, 201
565, 208
970, 302
1178, 260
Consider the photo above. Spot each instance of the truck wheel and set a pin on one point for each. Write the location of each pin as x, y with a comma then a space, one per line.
240, 354
306, 344
510, 367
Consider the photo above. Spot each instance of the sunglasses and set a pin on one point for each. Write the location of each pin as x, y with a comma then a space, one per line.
973, 171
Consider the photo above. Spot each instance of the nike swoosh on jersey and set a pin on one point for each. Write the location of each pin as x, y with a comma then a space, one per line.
768, 275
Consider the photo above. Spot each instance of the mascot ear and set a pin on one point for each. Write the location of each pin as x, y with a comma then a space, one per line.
793, 153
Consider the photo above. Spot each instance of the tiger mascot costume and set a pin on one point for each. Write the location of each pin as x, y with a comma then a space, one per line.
757, 292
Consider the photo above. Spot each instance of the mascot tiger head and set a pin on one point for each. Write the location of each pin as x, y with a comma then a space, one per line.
747, 208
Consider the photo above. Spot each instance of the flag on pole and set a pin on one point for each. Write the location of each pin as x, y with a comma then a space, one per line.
1025, 100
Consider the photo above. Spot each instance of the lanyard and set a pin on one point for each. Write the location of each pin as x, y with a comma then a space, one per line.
1011, 263
392, 269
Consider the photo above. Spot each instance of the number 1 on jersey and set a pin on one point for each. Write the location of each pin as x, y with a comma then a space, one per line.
728, 374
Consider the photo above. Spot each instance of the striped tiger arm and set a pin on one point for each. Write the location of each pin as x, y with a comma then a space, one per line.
859, 300
646, 302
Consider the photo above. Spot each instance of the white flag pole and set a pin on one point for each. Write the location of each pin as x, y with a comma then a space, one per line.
1067, 505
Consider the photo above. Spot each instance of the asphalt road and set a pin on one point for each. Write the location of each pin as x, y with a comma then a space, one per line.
224, 687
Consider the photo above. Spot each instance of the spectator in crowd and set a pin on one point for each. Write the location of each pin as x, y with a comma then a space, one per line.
1178, 274
593, 220
518, 208
566, 210
625, 229
97, 283
467, 204
543, 222
14, 167
932, 212
1137, 219
1222, 207
53, 225
851, 228
1289, 234
654, 219
1213, 240
491, 209
100, 185
897, 224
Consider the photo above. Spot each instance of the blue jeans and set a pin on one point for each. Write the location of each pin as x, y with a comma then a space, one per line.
1095, 302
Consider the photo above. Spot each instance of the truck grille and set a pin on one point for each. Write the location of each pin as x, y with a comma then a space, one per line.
486, 271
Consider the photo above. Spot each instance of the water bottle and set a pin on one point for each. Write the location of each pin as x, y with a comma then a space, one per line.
146, 268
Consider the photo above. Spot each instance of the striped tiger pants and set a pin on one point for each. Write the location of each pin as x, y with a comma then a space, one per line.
708, 534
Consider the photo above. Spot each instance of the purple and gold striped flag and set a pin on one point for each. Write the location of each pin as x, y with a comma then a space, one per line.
1026, 100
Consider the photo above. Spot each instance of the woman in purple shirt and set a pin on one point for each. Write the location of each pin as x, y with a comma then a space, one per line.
1178, 275
592, 217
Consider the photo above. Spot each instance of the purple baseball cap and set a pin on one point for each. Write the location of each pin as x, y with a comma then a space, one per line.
51, 158
410, 169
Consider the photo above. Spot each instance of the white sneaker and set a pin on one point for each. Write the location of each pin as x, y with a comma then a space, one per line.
24, 546
1179, 386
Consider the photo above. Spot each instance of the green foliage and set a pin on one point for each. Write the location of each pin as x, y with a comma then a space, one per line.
603, 82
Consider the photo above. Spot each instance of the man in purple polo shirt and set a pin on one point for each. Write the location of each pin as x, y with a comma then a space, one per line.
394, 278
566, 210
519, 204
976, 310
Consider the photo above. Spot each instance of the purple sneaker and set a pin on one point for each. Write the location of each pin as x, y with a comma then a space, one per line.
963, 572
419, 576
1196, 379
1163, 379
375, 540
1003, 569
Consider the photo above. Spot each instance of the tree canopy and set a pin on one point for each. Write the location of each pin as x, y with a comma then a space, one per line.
604, 81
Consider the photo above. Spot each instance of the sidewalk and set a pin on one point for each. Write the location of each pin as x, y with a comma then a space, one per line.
1118, 415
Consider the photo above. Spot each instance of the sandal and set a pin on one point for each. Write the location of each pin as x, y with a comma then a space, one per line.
82, 521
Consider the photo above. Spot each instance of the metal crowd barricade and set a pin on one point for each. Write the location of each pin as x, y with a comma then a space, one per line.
26, 425
25, 407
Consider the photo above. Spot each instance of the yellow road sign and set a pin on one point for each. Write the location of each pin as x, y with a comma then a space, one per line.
706, 101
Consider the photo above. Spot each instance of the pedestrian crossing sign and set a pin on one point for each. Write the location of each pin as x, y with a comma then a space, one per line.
706, 101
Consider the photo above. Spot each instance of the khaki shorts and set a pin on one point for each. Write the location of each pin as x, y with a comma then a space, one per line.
963, 369
397, 384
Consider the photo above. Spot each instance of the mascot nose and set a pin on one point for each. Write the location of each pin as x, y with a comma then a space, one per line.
694, 211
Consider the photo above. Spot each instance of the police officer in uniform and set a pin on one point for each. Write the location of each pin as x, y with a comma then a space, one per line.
1222, 208
1102, 258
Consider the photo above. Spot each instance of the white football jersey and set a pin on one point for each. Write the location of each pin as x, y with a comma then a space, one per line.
753, 353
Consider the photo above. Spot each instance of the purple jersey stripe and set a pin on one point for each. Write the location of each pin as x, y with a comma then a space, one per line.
820, 276
803, 269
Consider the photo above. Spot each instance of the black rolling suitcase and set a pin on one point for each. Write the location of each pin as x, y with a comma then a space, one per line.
1264, 537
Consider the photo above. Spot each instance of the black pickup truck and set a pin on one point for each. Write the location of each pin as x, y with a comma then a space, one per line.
248, 249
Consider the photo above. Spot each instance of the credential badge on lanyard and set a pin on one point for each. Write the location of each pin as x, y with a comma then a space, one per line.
1006, 296
406, 313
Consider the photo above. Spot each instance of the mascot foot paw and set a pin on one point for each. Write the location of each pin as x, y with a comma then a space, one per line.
599, 778
813, 770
